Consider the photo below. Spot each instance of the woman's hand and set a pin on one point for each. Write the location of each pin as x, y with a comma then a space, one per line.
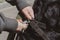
21, 25
28, 12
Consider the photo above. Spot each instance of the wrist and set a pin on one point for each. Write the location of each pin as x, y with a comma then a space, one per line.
21, 26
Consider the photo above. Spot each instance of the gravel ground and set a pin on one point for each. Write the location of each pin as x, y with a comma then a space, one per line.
4, 35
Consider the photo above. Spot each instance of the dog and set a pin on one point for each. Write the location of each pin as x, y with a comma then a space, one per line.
48, 12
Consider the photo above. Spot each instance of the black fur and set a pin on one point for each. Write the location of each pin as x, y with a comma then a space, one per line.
48, 12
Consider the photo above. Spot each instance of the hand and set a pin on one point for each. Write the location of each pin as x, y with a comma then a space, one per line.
28, 12
21, 26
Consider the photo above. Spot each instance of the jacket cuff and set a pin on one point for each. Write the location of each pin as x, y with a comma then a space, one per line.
11, 25
2, 24
22, 4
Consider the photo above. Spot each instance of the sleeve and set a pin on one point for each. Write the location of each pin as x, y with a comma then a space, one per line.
11, 25
2, 24
22, 4
7, 24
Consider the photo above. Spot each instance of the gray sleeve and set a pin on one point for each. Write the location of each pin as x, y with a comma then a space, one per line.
22, 4
7, 24
11, 25
2, 24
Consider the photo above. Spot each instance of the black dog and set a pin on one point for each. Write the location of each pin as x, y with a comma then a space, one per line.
48, 12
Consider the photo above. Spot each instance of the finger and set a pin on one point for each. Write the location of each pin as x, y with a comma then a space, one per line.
26, 13
31, 12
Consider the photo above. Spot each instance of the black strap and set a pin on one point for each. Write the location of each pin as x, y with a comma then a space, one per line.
34, 25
